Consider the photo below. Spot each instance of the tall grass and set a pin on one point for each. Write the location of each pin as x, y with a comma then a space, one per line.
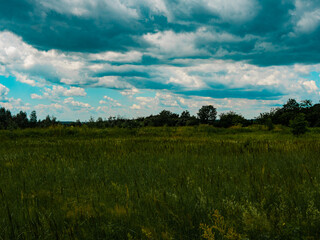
158, 183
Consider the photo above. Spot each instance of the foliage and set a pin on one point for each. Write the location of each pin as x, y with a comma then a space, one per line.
221, 227
231, 119
299, 125
269, 124
33, 119
207, 114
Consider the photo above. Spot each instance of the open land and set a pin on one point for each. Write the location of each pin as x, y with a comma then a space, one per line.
159, 183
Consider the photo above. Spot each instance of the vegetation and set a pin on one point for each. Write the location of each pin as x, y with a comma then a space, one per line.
159, 183
299, 125
206, 115
230, 119
165, 176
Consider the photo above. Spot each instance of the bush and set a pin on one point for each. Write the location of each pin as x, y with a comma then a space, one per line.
299, 125
231, 119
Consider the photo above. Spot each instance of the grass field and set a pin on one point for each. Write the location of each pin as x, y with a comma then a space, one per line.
159, 183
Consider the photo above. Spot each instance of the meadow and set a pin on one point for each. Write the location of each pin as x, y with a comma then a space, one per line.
159, 183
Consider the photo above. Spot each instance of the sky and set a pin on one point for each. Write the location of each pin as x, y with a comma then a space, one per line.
76, 59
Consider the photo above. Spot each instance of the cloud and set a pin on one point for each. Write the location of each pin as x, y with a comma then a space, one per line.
76, 104
3, 91
308, 22
190, 76
129, 92
310, 86
50, 106
11, 103
135, 107
58, 91
131, 56
85, 24
121, 31
110, 101
177, 50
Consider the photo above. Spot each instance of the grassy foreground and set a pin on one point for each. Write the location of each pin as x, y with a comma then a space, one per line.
159, 183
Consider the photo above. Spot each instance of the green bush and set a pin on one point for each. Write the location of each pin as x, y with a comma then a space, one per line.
299, 125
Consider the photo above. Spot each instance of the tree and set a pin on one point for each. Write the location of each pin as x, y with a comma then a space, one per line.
78, 123
288, 112
99, 123
33, 119
185, 114
307, 103
184, 118
21, 119
299, 125
231, 119
48, 121
291, 105
5, 118
166, 117
207, 114
91, 123
269, 124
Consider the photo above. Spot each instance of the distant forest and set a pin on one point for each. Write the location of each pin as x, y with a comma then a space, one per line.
285, 115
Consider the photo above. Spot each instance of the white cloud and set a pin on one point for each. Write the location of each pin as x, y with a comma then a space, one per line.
111, 82
24, 79
3, 91
170, 44
132, 56
129, 92
49, 106
310, 86
185, 80
40, 68
110, 101
109, 98
11, 103
59, 91
135, 107
76, 104
36, 96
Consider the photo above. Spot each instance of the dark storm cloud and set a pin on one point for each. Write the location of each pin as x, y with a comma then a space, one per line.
119, 26
161, 44
46, 28
264, 94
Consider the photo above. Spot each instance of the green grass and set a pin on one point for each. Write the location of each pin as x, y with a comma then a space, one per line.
158, 183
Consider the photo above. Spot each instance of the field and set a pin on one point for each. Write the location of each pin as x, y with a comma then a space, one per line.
159, 183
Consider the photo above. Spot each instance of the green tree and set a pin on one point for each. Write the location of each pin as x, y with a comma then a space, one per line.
33, 119
185, 114
5, 118
184, 118
21, 119
49, 121
99, 123
269, 124
231, 119
299, 125
307, 103
207, 114
291, 105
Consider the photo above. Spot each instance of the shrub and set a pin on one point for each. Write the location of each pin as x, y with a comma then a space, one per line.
299, 125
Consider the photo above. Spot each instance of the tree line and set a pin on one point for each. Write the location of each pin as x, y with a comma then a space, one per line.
21, 120
305, 112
